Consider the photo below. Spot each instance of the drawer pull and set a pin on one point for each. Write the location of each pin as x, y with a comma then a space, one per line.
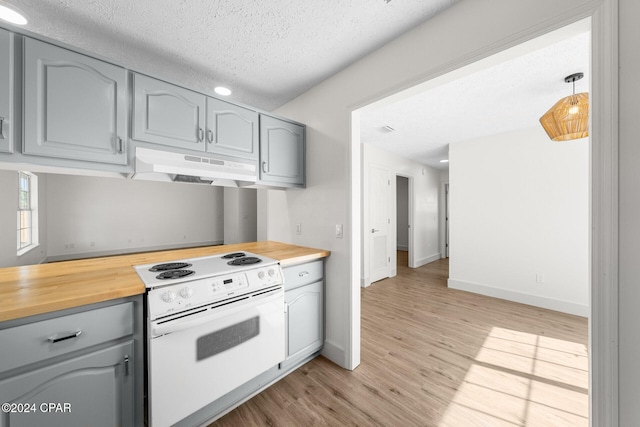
71, 335
303, 273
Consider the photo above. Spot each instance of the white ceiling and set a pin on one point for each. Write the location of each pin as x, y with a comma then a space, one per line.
267, 52
510, 94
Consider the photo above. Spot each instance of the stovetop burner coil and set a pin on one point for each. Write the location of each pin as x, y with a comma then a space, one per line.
175, 274
245, 261
234, 255
170, 266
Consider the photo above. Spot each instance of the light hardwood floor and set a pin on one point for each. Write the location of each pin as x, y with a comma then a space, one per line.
432, 356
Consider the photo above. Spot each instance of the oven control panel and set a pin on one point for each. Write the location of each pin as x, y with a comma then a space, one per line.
170, 299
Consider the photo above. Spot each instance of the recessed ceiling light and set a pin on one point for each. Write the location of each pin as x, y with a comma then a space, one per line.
12, 15
223, 91
444, 161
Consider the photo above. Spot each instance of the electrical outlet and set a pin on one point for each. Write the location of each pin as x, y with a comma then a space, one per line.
298, 228
539, 278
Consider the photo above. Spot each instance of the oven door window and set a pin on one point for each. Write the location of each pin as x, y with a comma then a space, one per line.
227, 338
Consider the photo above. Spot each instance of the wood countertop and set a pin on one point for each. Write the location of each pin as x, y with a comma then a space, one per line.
42, 288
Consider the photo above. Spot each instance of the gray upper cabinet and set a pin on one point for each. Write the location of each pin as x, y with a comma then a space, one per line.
282, 152
6, 92
167, 114
74, 106
231, 130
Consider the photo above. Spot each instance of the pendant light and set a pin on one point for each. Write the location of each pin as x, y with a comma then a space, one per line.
568, 118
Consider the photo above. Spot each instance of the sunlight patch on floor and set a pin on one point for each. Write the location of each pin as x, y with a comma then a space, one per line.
522, 379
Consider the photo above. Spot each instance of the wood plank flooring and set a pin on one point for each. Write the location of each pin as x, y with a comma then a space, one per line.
432, 356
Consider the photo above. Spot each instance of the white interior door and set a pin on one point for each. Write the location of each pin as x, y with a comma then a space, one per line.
379, 188
446, 204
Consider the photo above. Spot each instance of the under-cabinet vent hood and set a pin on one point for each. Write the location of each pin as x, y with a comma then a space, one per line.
156, 165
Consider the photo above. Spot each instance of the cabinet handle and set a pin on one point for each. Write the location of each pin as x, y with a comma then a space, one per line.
210, 136
120, 145
1, 127
303, 273
56, 338
125, 362
265, 169
373, 230
200, 134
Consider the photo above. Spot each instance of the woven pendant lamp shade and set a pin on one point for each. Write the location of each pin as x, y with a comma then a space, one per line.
568, 118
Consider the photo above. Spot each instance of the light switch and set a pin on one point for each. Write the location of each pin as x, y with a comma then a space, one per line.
339, 231
298, 228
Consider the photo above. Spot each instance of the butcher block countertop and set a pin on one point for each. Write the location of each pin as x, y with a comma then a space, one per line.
42, 288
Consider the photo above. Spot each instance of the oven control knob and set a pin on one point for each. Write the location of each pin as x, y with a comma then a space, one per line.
272, 273
169, 296
261, 274
186, 292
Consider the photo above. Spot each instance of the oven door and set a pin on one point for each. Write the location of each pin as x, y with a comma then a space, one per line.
197, 358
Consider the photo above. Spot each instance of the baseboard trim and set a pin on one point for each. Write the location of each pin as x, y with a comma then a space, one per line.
423, 261
534, 300
335, 353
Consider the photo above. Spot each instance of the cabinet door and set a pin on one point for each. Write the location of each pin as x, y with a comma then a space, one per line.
91, 390
281, 151
74, 106
231, 130
6, 92
167, 114
305, 319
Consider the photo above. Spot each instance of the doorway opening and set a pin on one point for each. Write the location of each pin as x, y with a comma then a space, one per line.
447, 228
403, 226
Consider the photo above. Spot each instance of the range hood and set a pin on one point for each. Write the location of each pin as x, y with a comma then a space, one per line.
167, 166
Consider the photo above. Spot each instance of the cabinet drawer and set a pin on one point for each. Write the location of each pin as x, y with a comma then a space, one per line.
38, 341
302, 274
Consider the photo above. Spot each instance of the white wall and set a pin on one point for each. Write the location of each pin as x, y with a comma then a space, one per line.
240, 215
520, 209
92, 215
466, 32
9, 225
424, 207
402, 213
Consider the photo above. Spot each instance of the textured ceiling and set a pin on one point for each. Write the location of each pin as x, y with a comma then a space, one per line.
267, 52
507, 96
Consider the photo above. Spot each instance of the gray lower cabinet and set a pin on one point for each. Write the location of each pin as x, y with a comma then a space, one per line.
78, 369
304, 307
94, 389
231, 130
167, 114
6, 92
282, 152
75, 107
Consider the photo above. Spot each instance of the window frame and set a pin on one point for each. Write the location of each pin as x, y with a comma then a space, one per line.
27, 211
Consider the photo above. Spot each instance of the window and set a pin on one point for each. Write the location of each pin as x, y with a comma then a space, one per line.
27, 211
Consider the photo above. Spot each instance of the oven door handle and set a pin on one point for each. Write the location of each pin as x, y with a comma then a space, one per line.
183, 323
